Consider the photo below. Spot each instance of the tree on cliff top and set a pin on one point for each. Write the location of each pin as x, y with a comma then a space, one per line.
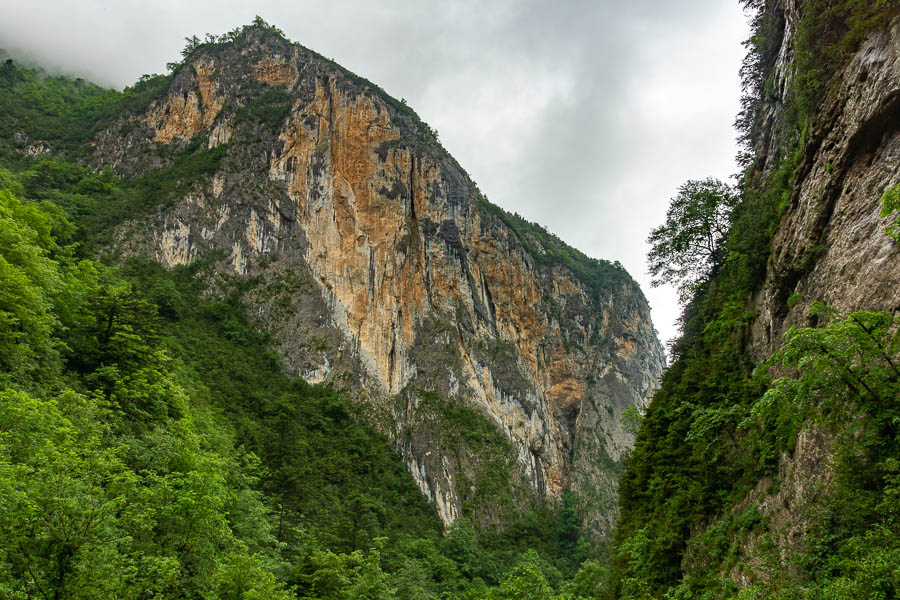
685, 248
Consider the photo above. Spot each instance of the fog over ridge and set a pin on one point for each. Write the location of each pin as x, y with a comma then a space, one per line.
584, 116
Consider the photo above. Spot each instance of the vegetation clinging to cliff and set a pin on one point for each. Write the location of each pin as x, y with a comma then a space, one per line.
718, 426
545, 248
828, 34
890, 205
63, 112
158, 422
844, 375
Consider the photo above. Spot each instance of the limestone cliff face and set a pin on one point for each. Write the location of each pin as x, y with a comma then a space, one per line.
375, 261
829, 246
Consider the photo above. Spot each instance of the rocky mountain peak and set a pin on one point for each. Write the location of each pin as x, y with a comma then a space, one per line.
500, 361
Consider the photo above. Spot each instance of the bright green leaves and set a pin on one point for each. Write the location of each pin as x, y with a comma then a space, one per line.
62, 489
327, 575
890, 204
846, 376
528, 581
107, 491
847, 368
686, 247
117, 348
709, 436
637, 554
36, 282
84, 518
525, 582
243, 576
842, 375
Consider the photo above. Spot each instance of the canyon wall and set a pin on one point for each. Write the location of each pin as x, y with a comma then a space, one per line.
498, 360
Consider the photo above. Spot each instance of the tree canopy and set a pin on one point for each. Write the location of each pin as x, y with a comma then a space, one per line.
686, 247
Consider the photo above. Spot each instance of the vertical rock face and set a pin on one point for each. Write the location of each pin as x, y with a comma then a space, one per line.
499, 360
830, 245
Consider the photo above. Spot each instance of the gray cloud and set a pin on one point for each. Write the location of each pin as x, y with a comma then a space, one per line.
583, 115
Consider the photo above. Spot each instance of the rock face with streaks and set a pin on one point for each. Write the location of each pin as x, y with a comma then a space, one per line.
829, 246
499, 360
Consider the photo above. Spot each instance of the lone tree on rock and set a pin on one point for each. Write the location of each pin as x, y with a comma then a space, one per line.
688, 245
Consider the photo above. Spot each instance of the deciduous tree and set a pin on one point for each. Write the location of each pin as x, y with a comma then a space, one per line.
685, 248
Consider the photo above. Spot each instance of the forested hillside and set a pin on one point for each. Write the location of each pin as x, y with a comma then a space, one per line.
152, 447
151, 444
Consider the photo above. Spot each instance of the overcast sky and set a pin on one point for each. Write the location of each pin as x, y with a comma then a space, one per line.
582, 115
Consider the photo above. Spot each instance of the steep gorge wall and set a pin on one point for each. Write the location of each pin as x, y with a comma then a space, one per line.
830, 246
731, 490
375, 261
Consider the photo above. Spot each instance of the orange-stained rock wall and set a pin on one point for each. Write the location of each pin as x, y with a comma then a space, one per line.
407, 282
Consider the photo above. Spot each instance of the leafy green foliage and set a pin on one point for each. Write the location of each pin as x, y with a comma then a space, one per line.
525, 582
845, 375
686, 248
99, 200
31, 287
328, 473
847, 368
696, 454
109, 488
890, 204
63, 112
